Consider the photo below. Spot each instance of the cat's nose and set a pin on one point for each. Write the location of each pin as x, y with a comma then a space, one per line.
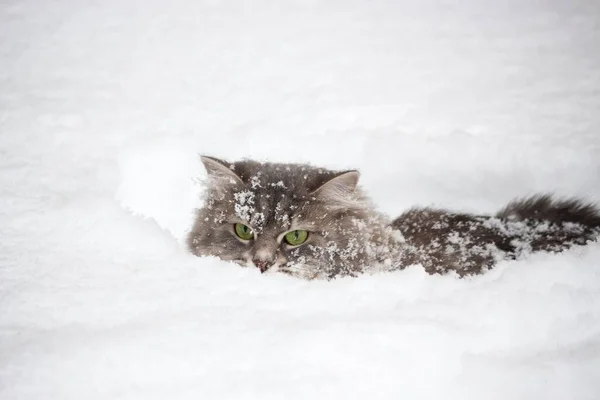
263, 265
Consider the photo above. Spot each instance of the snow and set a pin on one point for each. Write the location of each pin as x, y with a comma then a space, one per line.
104, 106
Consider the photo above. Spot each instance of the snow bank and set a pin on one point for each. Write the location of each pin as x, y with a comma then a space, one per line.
105, 105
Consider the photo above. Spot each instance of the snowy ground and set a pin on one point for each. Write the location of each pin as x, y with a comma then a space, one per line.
104, 106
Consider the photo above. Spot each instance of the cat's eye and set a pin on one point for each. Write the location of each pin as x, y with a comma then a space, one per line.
243, 231
296, 238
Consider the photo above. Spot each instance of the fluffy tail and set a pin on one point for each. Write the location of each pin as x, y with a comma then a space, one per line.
545, 208
444, 241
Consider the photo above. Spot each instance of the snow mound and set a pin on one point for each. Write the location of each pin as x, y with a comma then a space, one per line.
104, 107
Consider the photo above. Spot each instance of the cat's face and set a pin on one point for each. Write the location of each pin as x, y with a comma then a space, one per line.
291, 218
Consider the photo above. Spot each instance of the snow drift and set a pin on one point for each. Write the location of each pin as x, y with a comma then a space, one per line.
105, 105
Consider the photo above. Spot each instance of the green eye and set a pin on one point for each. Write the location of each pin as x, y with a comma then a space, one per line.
244, 232
296, 238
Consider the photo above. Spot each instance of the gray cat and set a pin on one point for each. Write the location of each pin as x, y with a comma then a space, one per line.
316, 223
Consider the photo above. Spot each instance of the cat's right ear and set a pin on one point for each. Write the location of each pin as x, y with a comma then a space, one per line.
339, 186
219, 170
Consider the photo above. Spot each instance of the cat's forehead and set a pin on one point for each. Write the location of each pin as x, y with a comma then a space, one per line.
275, 197
300, 178
271, 208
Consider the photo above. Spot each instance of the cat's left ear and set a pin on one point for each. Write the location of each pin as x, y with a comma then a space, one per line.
220, 170
339, 186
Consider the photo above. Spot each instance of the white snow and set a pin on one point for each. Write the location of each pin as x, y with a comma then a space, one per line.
104, 106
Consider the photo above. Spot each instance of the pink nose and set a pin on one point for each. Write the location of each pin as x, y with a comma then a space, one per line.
262, 264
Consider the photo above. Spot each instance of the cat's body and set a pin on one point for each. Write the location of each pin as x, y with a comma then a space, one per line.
444, 241
316, 223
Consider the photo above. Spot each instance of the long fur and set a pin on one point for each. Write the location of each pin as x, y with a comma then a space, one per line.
443, 241
348, 236
544, 207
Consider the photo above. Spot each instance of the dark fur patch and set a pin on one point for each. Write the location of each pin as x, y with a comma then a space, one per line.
544, 207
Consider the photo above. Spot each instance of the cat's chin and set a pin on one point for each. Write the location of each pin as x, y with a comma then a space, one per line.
302, 271
249, 264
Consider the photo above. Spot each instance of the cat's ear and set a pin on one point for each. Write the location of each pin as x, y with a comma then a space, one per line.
340, 185
220, 170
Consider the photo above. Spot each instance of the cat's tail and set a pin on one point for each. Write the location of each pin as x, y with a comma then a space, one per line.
544, 207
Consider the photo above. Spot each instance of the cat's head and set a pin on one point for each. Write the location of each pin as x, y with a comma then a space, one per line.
292, 218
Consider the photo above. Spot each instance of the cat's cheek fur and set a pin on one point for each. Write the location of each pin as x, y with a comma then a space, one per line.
218, 240
309, 260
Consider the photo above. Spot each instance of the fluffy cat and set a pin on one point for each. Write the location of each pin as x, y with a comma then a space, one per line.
316, 223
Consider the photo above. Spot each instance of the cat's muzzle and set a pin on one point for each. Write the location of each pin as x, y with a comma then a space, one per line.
262, 265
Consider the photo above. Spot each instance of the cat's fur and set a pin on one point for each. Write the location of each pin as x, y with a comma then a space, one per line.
347, 236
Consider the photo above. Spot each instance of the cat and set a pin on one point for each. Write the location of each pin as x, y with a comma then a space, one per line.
315, 223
